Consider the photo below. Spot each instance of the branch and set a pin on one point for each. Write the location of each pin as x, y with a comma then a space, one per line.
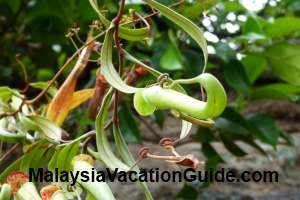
116, 22
9, 152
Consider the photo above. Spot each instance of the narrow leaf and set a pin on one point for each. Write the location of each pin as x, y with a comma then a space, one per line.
81, 96
128, 158
60, 105
49, 130
188, 26
275, 91
104, 151
11, 137
107, 67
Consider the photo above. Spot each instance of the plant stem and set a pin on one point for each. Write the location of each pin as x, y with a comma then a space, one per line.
116, 22
9, 152
150, 128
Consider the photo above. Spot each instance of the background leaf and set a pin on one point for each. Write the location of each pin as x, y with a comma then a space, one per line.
276, 91
284, 59
236, 77
128, 125
254, 66
283, 26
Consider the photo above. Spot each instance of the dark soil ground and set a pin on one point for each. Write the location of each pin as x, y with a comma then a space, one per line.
285, 160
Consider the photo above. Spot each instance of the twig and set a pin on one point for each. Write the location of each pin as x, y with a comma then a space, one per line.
9, 152
99, 92
149, 127
1, 147
2, 115
85, 143
25, 76
86, 135
116, 22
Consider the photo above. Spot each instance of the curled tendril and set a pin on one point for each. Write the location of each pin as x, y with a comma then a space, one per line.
163, 79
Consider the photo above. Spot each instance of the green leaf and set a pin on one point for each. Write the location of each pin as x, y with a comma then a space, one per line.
171, 58
284, 59
236, 77
104, 150
204, 135
49, 130
238, 128
47, 156
252, 26
11, 168
44, 74
128, 125
252, 30
209, 151
5, 93
194, 10
128, 158
72, 153
63, 157
266, 129
251, 37
27, 124
231, 146
107, 67
188, 26
42, 85
275, 91
193, 62
283, 26
254, 66
9, 137
227, 125
32, 158
287, 137
233, 6
53, 162
233, 122
37, 158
